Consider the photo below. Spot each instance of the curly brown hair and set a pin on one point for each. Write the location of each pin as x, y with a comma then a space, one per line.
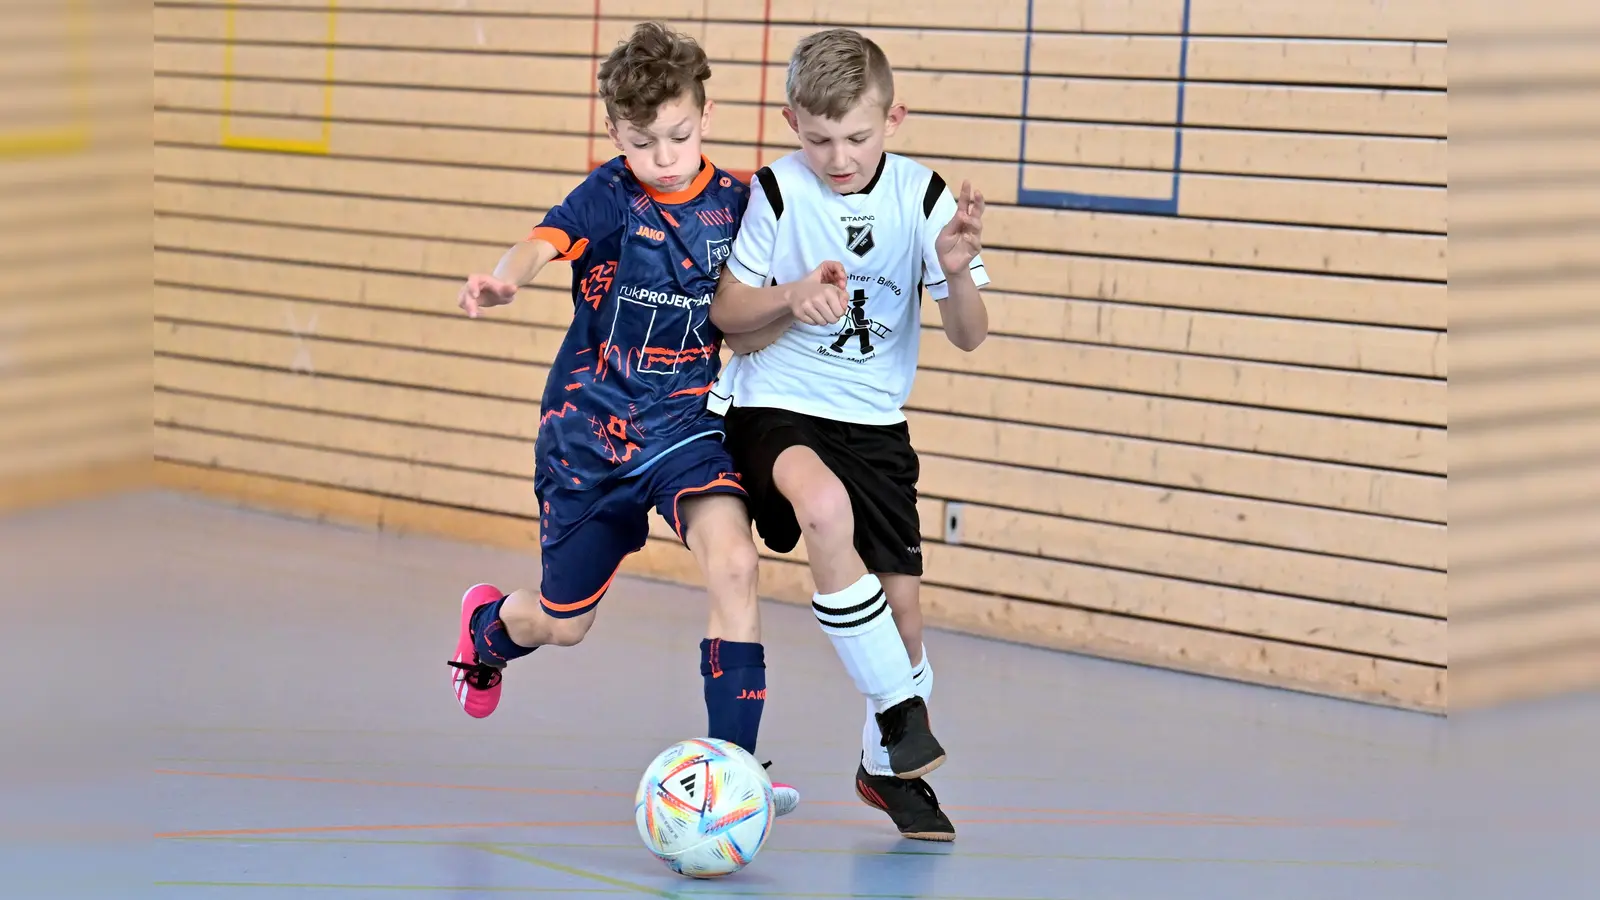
654, 66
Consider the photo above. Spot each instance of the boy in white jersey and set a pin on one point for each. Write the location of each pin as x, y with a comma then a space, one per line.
820, 298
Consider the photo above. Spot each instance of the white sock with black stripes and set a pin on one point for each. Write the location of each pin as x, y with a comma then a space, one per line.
874, 755
861, 625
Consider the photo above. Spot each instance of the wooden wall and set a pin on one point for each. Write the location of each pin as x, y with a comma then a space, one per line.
1208, 431
75, 263
1526, 399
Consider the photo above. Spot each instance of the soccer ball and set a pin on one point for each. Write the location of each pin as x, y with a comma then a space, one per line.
704, 807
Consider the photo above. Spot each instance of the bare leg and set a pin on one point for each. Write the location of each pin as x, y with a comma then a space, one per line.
528, 624
905, 598
717, 530
854, 610
827, 522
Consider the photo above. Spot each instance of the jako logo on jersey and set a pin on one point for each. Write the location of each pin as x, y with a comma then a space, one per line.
654, 234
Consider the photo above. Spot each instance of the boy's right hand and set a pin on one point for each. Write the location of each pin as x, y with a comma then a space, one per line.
484, 291
822, 297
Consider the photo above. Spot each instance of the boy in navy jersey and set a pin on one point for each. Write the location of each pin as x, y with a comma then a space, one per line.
814, 399
624, 426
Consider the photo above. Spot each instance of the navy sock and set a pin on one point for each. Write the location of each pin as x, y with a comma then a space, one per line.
494, 646
736, 689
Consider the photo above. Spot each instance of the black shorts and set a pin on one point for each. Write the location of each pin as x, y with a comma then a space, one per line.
876, 464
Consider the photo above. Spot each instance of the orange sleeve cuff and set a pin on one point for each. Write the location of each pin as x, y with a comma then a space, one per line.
566, 248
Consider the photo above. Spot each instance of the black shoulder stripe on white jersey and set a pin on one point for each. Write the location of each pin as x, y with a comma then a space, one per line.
931, 198
769, 186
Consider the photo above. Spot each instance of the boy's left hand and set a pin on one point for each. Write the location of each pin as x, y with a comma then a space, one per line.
962, 239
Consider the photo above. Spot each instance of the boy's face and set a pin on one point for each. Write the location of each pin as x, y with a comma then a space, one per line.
666, 153
845, 152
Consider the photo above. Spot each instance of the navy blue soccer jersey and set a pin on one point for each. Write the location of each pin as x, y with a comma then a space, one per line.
630, 380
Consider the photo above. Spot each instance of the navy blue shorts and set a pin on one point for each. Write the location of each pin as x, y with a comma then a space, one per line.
585, 535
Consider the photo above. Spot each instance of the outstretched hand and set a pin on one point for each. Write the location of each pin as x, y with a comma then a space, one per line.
483, 291
961, 240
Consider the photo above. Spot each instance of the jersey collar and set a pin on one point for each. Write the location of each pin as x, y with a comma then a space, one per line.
883, 160
684, 196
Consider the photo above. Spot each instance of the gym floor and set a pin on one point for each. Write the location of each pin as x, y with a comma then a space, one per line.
285, 683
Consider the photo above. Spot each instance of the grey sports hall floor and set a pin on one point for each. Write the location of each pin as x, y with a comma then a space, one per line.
209, 702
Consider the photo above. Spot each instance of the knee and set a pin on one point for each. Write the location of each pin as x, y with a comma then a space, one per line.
530, 622
731, 584
733, 567
824, 512
569, 632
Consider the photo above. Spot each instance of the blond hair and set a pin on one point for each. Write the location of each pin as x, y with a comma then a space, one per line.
832, 70
653, 67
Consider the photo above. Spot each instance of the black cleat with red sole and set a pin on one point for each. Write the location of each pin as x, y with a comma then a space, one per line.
910, 803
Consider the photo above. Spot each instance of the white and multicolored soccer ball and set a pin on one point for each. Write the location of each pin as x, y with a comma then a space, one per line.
704, 807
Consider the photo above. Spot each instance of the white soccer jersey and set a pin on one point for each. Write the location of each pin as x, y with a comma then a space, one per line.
859, 369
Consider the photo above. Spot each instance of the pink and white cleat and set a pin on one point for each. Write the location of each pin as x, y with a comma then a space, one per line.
785, 798
477, 684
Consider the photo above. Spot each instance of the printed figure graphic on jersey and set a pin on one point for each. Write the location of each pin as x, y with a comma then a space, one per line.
623, 427
859, 326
